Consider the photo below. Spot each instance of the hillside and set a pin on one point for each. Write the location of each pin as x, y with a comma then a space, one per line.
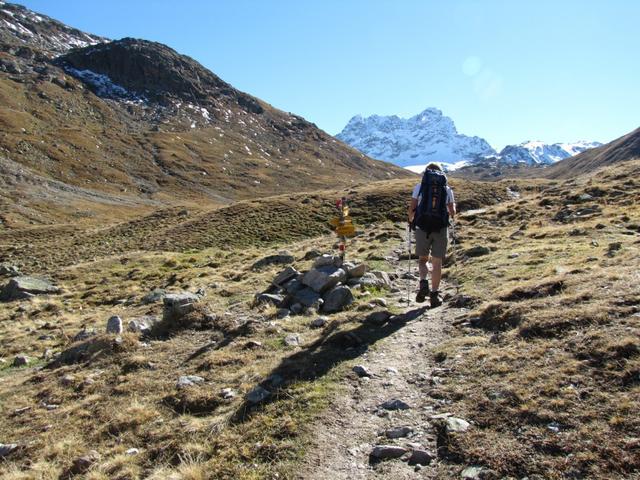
620, 150
120, 128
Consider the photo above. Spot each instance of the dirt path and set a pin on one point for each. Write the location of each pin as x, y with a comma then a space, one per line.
403, 368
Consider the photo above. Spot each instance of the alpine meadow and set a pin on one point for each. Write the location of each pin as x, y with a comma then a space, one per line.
198, 285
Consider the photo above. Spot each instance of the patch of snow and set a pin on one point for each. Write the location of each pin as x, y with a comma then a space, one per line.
103, 86
18, 28
448, 167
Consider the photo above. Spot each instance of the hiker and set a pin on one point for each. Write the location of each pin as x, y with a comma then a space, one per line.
432, 205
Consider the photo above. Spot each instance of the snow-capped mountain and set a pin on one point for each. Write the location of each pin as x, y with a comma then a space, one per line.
428, 136
540, 153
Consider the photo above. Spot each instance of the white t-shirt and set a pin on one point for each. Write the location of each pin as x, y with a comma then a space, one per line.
416, 194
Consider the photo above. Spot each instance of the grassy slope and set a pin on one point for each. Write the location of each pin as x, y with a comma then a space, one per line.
127, 395
548, 367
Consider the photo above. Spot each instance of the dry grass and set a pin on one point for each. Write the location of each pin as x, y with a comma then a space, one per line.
551, 380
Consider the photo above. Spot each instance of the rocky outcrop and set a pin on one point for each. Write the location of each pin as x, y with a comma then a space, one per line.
20, 288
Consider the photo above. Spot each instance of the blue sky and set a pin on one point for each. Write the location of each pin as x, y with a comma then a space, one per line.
507, 71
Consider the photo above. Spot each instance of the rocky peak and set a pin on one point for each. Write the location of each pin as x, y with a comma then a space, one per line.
23, 28
157, 73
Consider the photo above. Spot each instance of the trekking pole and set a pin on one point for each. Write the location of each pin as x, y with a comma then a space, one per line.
409, 264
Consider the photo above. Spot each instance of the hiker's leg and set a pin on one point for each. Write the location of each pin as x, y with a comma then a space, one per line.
436, 273
422, 267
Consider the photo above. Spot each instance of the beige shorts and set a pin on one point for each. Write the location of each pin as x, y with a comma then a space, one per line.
435, 242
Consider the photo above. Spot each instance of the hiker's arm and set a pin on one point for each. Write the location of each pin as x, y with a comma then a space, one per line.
413, 204
452, 210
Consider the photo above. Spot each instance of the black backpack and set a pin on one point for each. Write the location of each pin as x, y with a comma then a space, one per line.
432, 213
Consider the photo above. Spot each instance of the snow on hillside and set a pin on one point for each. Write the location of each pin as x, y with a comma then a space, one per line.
540, 153
428, 136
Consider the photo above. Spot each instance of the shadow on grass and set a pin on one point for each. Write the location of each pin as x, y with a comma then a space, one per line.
331, 349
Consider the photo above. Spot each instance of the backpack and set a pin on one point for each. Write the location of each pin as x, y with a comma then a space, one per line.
432, 213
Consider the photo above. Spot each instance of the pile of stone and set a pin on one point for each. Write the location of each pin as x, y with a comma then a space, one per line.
326, 287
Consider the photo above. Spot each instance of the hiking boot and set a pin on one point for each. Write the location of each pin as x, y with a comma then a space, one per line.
424, 290
434, 298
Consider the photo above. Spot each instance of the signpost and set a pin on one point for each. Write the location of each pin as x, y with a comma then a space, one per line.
343, 225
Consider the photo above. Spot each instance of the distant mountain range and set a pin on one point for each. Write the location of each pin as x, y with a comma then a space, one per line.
431, 136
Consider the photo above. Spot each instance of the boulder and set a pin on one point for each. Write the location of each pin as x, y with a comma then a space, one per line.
293, 286
385, 452
378, 318
306, 297
177, 305
282, 258
362, 371
323, 278
7, 449
189, 381
114, 325
357, 271
395, 404
399, 432
369, 280
456, 425
383, 277
271, 298
258, 395
20, 288
141, 325
319, 322
285, 275
292, 340
9, 270
477, 251
336, 299
327, 260
153, 296
20, 361
420, 457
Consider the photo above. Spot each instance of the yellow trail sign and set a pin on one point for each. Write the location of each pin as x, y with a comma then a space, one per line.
346, 230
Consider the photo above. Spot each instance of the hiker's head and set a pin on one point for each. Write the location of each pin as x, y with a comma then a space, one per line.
434, 166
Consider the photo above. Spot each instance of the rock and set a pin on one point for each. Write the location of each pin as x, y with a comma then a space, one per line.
392, 370
456, 425
362, 371
283, 313
477, 251
399, 432
477, 473
385, 452
513, 255
82, 464
20, 361
323, 278
20, 288
381, 302
227, 394
383, 277
7, 449
370, 280
132, 451
189, 381
378, 318
141, 325
420, 457
327, 260
357, 271
177, 305
337, 299
68, 380
319, 322
296, 308
395, 404
282, 258
292, 286
311, 254
292, 340
285, 275
9, 270
153, 296
614, 246
305, 297
258, 395
84, 334
251, 344
272, 298
114, 325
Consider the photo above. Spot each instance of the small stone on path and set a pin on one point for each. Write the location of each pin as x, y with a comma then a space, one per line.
362, 371
395, 404
114, 325
385, 452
